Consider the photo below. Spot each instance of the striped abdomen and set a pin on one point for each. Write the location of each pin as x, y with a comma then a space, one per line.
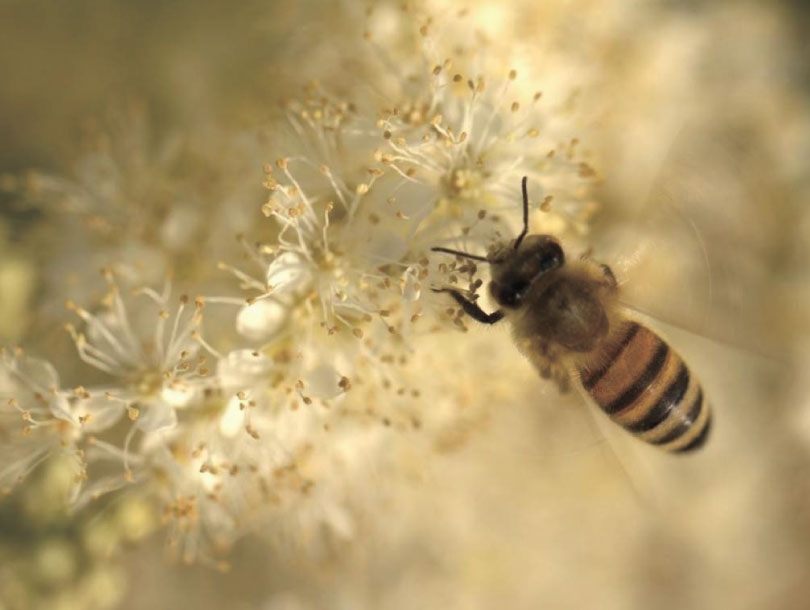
645, 387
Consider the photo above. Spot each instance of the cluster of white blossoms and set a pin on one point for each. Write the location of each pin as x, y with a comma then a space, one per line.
291, 372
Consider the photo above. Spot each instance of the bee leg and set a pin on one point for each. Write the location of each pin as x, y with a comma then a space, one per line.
563, 380
472, 309
611, 279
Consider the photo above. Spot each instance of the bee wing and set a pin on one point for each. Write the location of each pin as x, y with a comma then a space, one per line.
697, 256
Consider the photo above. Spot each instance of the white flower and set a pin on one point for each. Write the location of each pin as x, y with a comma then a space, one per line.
260, 320
39, 419
155, 359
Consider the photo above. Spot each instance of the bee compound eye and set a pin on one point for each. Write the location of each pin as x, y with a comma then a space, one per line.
514, 298
508, 296
552, 258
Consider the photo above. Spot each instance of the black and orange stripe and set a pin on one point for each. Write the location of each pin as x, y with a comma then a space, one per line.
646, 388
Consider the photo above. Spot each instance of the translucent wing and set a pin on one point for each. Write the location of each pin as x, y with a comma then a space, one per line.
699, 253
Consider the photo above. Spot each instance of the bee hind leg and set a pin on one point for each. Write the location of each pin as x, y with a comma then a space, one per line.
471, 308
547, 361
555, 372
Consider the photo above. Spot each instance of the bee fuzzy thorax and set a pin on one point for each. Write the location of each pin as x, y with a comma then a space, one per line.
569, 307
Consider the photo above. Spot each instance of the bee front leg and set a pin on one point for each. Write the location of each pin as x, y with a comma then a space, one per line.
471, 308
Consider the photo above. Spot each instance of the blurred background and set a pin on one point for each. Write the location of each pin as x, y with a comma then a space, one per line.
699, 117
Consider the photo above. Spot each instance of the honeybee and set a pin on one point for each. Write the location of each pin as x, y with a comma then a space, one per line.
566, 319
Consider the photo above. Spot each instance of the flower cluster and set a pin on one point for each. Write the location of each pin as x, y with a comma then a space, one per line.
268, 405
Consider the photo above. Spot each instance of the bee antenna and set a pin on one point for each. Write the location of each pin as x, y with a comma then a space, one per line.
525, 213
459, 253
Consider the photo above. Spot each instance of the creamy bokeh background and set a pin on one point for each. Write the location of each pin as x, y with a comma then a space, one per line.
530, 500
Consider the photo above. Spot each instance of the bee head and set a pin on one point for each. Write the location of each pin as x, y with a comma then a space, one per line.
519, 264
